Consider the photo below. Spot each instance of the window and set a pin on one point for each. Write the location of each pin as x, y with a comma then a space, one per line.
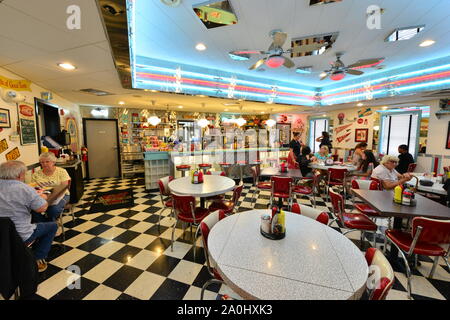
316, 127
399, 129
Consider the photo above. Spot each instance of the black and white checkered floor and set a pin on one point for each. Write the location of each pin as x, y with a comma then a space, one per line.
121, 254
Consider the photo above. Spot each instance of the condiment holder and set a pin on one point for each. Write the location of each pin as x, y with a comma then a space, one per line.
273, 225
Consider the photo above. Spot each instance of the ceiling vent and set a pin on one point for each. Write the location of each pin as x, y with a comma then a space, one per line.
112, 9
96, 92
214, 13
171, 3
316, 2
312, 45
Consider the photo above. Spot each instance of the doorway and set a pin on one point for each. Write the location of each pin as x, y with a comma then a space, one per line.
102, 140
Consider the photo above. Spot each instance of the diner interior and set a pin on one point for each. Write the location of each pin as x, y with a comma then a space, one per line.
225, 150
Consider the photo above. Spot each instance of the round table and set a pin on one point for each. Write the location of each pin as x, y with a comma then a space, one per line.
212, 185
312, 262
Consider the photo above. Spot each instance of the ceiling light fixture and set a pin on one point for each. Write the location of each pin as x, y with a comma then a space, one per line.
241, 121
360, 104
67, 66
121, 103
200, 46
180, 107
427, 43
154, 120
270, 123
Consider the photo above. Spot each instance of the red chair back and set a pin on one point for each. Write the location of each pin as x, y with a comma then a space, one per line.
433, 232
163, 184
380, 185
183, 206
412, 167
337, 202
208, 223
365, 184
281, 184
237, 194
209, 173
376, 259
335, 157
291, 163
337, 174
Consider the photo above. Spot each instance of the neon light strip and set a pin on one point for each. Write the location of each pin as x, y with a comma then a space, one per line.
220, 85
225, 79
403, 75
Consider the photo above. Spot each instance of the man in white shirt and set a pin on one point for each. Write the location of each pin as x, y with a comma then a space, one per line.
387, 174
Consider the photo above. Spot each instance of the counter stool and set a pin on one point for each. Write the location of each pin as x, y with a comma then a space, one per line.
205, 167
241, 164
183, 168
225, 167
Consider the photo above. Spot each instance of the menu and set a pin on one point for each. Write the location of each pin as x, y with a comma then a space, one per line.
27, 123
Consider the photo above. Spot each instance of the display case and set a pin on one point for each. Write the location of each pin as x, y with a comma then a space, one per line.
156, 167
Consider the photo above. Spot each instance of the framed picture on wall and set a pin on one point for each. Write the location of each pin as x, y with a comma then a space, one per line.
448, 137
27, 123
5, 119
361, 135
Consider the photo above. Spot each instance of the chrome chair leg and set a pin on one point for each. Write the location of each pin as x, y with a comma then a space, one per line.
207, 284
173, 234
433, 269
408, 270
195, 240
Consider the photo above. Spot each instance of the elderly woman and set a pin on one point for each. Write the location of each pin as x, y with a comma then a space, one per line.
51, 175
387, 174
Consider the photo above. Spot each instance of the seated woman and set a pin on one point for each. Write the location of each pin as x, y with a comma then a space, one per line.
322, 155
367, 165
387, 174
51, 175
356, 158
304, 161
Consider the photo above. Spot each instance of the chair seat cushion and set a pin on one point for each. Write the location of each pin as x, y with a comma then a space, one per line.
302, 190
281, 195
358, 221
264, 185
366, 209
183, 166
204, 165
336, 183
404, 240
226, 206
200, 214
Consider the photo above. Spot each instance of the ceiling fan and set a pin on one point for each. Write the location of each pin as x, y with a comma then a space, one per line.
339, 69
274, 55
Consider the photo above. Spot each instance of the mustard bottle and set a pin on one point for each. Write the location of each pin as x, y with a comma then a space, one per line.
282, 220
398, 191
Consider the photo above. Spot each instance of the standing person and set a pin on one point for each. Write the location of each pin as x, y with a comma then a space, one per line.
17, 199
405, 159
325, 140
51, 175
358, 154
294, 148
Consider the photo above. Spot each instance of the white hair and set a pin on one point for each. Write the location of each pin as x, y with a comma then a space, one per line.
48, 155
388, 158
11, 170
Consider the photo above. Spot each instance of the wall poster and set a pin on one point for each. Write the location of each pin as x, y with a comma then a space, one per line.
27, 123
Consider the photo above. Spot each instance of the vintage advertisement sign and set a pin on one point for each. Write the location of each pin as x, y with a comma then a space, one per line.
16, 85
14, 154
27, 123
3, 145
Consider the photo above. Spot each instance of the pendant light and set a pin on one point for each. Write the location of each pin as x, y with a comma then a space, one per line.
154, 120
270, 122
202, 121
240, 121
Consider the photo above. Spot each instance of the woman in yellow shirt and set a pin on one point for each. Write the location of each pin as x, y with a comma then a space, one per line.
51, 175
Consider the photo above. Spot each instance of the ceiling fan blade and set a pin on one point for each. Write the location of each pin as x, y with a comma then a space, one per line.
288, 63
257, 64
279, 38
240, 52
308, 47
366, 63
354, 72
324, 77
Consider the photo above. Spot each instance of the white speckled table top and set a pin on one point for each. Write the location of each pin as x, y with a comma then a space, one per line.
212, 185
312, 262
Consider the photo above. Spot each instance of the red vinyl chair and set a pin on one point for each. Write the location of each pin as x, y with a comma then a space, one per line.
309, 212
412, 167
281, 189
205, 227
365, 185
185, 210
351, 221
183, 168
428, 237
306, 190
228, 206
378, 263
164, 193
259, 186
336, 177
205, 166
380, 184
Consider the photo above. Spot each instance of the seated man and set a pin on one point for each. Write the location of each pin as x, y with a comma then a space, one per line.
387, 174
405, 159
17, 199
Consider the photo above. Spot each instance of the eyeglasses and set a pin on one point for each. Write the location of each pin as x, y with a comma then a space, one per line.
393, 161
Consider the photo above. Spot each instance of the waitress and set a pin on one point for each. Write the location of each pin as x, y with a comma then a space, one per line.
294, 149
324, 140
